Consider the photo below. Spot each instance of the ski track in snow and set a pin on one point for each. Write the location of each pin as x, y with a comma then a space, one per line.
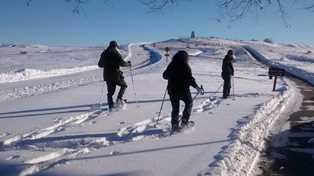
58, 126
40, 89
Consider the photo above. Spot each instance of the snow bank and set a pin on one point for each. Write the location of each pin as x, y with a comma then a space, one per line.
194, 52
240, 156
297, 72
28, 74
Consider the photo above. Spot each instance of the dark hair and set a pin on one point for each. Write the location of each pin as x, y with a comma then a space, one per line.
180, 57
113, 44
230, 52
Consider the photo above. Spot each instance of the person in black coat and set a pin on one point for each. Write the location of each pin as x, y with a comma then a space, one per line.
179, 76
111, 60
227, 72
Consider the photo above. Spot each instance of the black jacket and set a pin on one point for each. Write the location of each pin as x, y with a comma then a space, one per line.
179, 76
227, 67
111, 60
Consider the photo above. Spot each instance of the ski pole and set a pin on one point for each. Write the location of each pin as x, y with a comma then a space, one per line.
217, 90
233, 87
132, 79
101, 95
162, 104
201, 92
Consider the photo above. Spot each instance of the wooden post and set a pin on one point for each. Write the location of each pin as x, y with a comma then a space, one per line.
275, 82
275, 72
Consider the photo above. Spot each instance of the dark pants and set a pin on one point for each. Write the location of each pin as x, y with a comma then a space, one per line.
175, 102
227, 86
111, 87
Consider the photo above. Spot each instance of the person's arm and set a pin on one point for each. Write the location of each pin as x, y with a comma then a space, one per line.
191, 79
193, 83
166, 74
121, 62
101, 62
231, 67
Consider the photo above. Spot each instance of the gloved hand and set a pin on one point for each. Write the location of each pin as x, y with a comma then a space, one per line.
200, 90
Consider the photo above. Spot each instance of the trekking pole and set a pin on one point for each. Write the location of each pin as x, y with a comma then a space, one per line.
132, 79
233, 88
201, 92
217, 90
101, 96
162, 104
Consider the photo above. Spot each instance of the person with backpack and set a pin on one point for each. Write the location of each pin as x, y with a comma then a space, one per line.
179, 76
111, 60
227, 73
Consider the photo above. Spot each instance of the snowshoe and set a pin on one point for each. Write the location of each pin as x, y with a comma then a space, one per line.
120, 103
184, 127
187, 125
175, 129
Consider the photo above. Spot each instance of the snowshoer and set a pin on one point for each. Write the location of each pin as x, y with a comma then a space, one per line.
179, 76
111, 60
227, 72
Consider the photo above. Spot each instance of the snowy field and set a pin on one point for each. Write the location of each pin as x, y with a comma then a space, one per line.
51, 122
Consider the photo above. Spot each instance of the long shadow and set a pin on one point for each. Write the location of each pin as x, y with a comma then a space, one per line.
46, 109
152, 150
70, 109
10, 168
89, 107
42, 114
109, 136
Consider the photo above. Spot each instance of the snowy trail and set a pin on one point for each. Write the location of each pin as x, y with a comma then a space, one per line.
61, 132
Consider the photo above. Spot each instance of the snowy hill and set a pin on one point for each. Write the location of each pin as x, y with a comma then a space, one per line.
51, 124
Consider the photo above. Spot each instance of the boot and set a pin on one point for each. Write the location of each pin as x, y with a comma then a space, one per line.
120, 102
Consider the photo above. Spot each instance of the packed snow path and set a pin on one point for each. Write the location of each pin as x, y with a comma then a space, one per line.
63, 132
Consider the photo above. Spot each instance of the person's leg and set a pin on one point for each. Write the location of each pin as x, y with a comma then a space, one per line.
111, 88
123, 87
188, 101
175, 103
225, 89
227, 86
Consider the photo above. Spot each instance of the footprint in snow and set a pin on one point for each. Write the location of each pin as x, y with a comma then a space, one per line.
114, 153
13, 157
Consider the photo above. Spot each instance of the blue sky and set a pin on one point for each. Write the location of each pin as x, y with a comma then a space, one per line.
52, 22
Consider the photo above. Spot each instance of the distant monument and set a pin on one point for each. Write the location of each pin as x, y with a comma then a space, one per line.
193, 35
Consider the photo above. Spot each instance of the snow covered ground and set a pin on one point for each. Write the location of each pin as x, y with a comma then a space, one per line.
52, 124
297, 59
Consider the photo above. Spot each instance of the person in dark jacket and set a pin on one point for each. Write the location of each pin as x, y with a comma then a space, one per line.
111, 60
179, 76
227, 72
